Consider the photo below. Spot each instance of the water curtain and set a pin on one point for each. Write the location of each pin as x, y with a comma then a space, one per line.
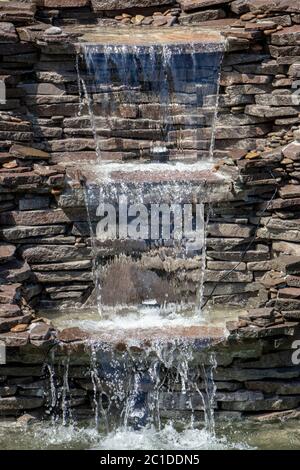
153, 111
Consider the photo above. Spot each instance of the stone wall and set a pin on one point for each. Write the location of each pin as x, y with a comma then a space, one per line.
43, 217
253, 239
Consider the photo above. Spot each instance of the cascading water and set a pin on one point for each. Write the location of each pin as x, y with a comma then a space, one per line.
146, 104
141, 390
154, 94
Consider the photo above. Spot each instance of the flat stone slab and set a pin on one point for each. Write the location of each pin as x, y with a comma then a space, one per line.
197, 39
103, 5
201, 336
284, 6
188, 5
63, 3
157, 183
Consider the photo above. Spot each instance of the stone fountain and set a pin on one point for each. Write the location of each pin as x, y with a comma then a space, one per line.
77, 131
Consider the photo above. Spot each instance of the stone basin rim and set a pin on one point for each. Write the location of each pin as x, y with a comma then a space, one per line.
146, 337
109, 174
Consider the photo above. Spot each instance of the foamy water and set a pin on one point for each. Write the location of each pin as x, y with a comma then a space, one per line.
54, 436
242, 435
143, 317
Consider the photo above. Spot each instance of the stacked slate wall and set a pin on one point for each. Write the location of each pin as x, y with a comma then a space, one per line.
253, 238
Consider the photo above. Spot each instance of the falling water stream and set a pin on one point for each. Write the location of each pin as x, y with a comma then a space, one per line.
155, 94
146, 104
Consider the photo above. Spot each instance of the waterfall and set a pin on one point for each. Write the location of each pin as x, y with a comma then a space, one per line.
147, 105
140, 387
154, 94
146, 197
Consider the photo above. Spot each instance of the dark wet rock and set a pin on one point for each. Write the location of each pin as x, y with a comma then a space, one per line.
286, 304
293, 281
22, 371
267, 404
19, 179
28, 202
293, 267
10, 405
178, 401
275, 386
7, 391
228, 386
293, 315
43, 89
277, 359
241, 375
137, 284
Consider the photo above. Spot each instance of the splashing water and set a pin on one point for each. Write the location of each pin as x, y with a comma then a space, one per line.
155, 94
147, 103
140, 387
